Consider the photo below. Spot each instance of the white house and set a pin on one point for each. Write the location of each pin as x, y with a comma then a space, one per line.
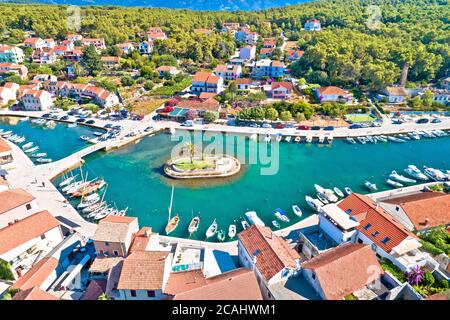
337, 224
22, 241
313, 25
146, 47
270, 256
247, 53
144, 275
6, 95
15, 205
243, 84
332, 93
206, 82
98, 43
396, 94
36, 100
156, 33
228, 72
11, 54
74, 37
35, 43
125, 48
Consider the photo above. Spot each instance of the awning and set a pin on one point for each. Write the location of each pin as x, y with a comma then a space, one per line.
406, 246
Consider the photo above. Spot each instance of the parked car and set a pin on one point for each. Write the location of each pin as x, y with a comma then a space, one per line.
355, 126
117, 127
46, 115
279, 126
422, 120
90, 121
149, 128
304, 127
64, 118
315, 128
188, 123
80, 120
266, 126
328, 128
108, 126
436, 121
253, 125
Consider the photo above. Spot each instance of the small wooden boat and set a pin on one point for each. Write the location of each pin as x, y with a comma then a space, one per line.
172, 223
281, 214
212, 229
348, 190
232, 231
245, 224
193, 225
297, 210
221, 235
394, 183
371, 186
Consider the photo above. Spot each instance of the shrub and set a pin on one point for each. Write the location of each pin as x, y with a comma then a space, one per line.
393, 269
428, 279
5, 271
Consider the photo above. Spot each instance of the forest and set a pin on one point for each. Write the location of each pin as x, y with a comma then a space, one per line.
354, 47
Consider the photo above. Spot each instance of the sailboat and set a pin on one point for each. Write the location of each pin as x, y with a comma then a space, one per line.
193, 225
172, 223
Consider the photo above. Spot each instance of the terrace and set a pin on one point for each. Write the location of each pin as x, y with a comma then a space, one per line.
313, 241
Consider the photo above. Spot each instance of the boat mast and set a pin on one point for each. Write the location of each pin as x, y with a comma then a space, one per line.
171, 200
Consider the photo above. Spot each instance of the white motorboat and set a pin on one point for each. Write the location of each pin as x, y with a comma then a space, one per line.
371, 186
212, 229
27, 145
395, 139
329, 139
327, 193
322, 198
50, 124
44, 160
414, 172
298, 139
361, 140
67, 181
338, 192
95, 212
370, 139
24, 119
404, 137
253, 218
381, 139
72, 125
414, 136
89, 200
287, 138
314, 203
85, 138
276, 224
6, 133
232, 231
434, 174
348, 190
193, 225
39, 155
297, 210
321, 139
394, 183
398, 177
20, 140
278, 137
281, 214
350, 140
267, 138
309, 139
31, 150
94, 207
245, 225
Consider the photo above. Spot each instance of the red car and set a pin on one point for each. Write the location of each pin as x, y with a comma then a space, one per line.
304, 128
280, 126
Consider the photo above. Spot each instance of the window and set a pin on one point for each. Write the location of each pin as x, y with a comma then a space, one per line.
101, 252
42, 236
28, 206
367, 226
116, 253
348, 211
133, 293
313, 276
150, 293
385, 240
397, 208
376, 233
107, 244
360, 241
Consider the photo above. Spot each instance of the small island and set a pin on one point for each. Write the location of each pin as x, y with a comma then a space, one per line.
202, 166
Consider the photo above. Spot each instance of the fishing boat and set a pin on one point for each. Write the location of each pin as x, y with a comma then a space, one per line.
394, 183
329, 139
297, 210
253, 218
67, 181
338, 192
371, 186
361, 140
31, 150
39, 155
72, 125
414, 172
232, 231
212, 229
278, 137
298, 139
398, 177
394, 139
314, 203
244, 224
85, 138
322, 198
276, 224
281, 214
287, 138
350, 140
221, 235
44, 160
172, 223
27, 145
193, 225
348, 190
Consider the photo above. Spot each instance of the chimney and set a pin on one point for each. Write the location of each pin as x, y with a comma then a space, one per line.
147, 233
404, 76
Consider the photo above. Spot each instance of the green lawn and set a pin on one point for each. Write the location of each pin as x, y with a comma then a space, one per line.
197, 164
355, 118
170, 90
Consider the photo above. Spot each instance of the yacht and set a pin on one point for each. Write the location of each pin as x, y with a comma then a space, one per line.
395, 176
414, 172
281, 214
338, 192
322, 198
253, 218
327, 193
371, 186
348, 190
314, 203
434, 174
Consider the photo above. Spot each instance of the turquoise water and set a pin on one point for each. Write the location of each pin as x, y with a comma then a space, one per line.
58, 142
136, 180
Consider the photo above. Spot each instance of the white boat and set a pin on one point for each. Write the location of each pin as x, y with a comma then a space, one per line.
232, 231
394, 139
361, 140
414, 172
309, 139
321, 139
85, 138
329, 139
193, 225
381, 138
72, 125
253, 137
50, 124
27, 145
253, 218
434, 174
370, 139
278, 137
394, 183
39, 155
276, 224
404, 137
99, 211
322, 198
20, 140
398, 177
31, 150
89, 200
67, 181
348, 190
371, 186
6, 133
44, 160
297, 210
245, 224
298, 139
327, 193
414, 135
212, 229
94, 207
104, 213
172, 130
280, 214
287, 138
98, 133
338, 192
267, 138
350, 140
314, 203
24, 119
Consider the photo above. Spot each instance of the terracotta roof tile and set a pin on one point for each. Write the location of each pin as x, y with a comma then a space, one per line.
286, 85
331, 90
143, 270
34, 294
4, 147
344, 269
140, 239
26, 229
382, 225
273, 253
37, 275
94, 290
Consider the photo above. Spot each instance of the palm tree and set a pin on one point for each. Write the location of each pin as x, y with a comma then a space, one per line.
103, 296
190, 148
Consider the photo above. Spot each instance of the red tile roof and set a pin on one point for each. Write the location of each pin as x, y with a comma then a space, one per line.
342, 270
179, 282
425, 209
331, 90
143, 270
273, 253
244, 81
119, 219
140, 240
238, 284
11, 199
207, 95
266, 50
25, 230
4, 147
286, 85
34, 294
201, 76
366, 211
208, 105
94, 290
40, 272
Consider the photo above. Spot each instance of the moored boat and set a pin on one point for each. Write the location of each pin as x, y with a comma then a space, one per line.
338, 192
348, 191
350, 140
253, 218
193, 225
313, 203
232, 231
281, 214
297, 210
276, 224
398, 177
212, 229
244, 224
394, 183
44, 160
221, 235
371, 186
414, 172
